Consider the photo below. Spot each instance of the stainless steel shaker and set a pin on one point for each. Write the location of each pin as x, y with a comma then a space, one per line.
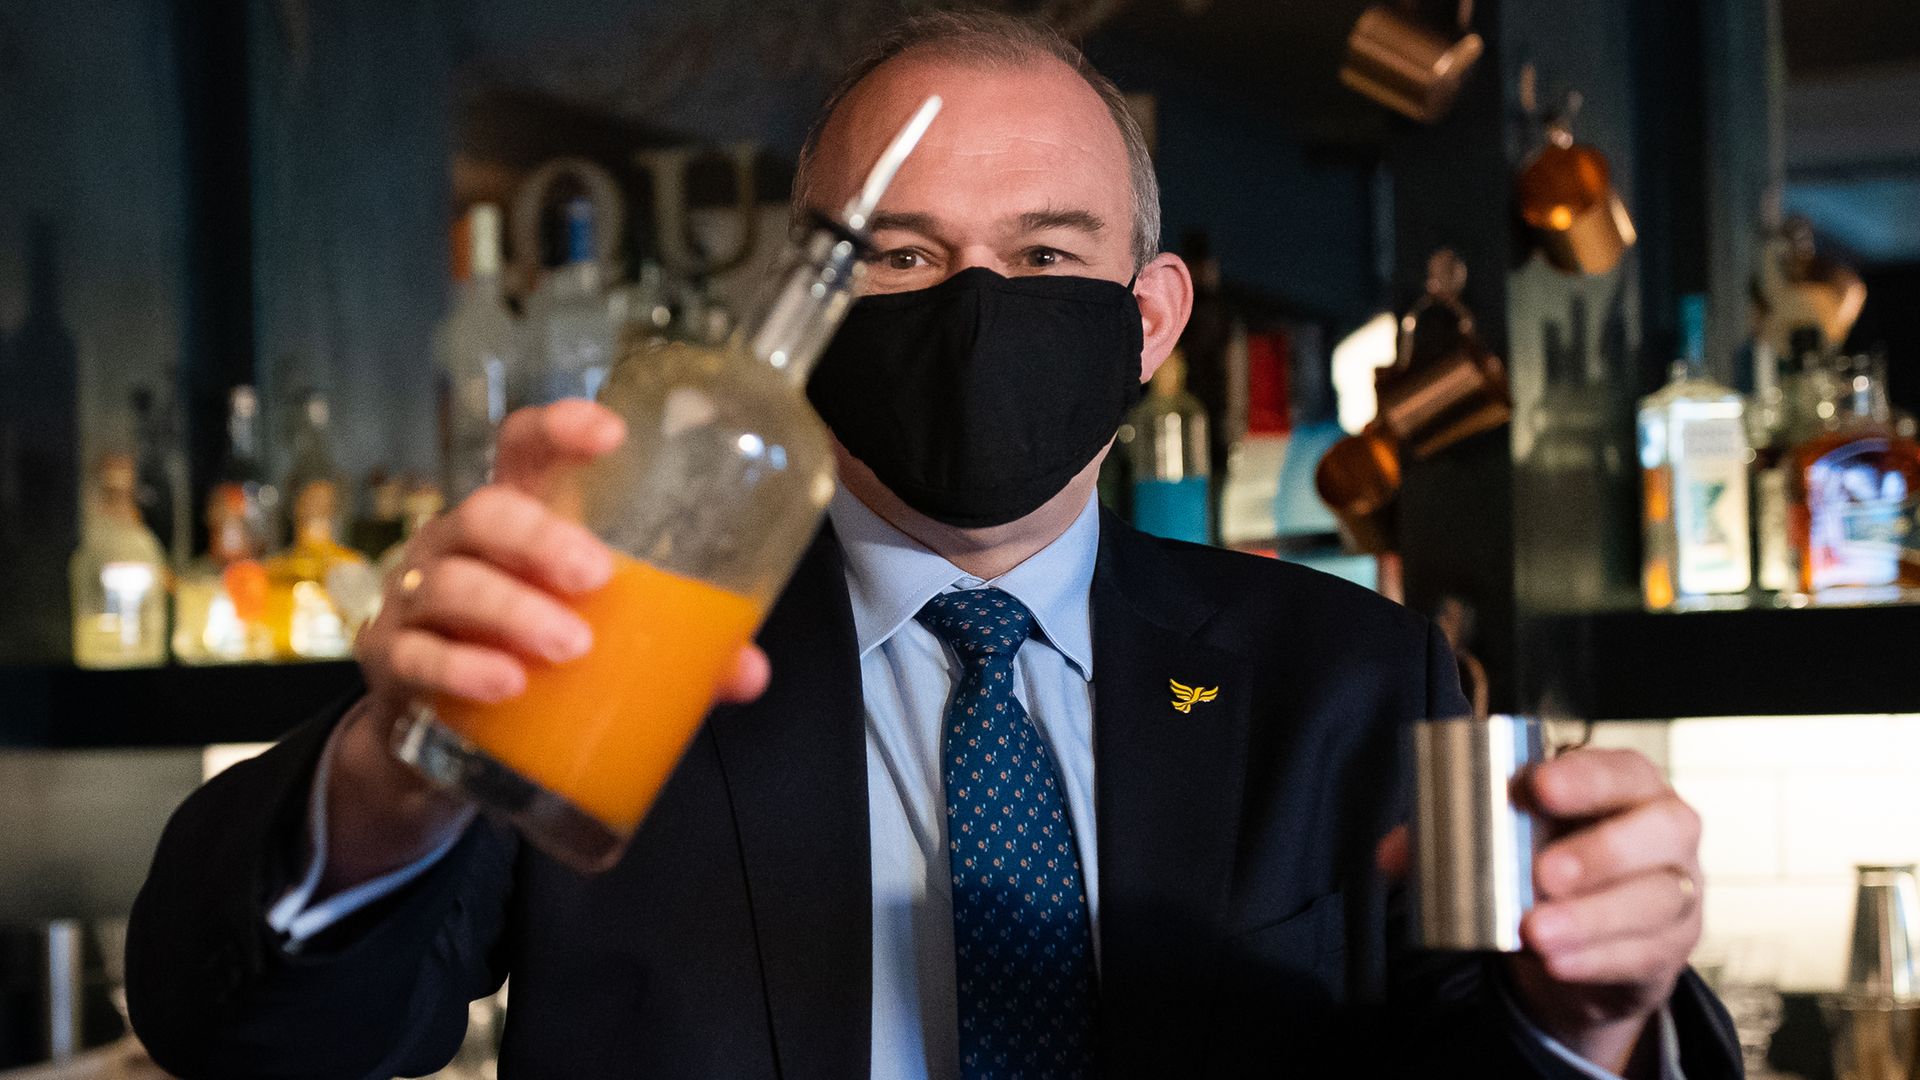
1886, 911
1473, 843
1875, 1019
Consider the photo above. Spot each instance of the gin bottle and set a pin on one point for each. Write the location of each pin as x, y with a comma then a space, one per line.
1169, 455
570, 329
1693, 460
475, 352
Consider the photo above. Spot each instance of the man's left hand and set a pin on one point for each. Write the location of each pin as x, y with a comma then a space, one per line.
1617, 907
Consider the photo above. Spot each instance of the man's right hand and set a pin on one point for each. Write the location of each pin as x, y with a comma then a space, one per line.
480, 591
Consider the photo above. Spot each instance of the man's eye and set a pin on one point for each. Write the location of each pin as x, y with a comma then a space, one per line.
901, 259
1041, 258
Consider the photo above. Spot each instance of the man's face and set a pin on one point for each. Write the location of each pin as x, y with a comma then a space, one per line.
1023, 172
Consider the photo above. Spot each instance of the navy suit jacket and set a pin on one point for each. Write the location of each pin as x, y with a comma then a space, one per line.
1244, 929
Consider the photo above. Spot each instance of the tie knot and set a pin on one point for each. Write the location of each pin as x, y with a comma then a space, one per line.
978, 621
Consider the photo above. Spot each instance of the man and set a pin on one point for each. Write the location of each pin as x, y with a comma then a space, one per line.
1196, 890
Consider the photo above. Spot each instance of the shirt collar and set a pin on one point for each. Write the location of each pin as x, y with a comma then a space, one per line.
891, 576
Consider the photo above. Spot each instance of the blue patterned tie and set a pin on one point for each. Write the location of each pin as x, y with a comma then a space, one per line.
1023, 949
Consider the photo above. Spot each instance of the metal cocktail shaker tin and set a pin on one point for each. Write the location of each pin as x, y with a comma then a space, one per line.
1473, 844
1886, 908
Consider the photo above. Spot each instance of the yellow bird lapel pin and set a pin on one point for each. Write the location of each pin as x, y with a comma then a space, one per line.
1186, 697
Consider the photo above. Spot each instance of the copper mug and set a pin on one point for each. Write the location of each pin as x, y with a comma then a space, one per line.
1407, 66
1358, 478
1444, 401
1566, 195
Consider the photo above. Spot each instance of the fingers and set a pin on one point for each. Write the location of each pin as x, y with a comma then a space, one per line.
1662, 832
468, 599
429, 665
516, 532
1591, 783
1647, 905
1641, 959
535, 442
748, 678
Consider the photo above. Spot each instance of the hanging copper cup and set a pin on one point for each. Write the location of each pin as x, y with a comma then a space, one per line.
1358, 478
1566, 195
1805, 287
1444, 386
1410, 67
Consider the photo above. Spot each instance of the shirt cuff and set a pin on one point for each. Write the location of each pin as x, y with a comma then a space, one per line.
1669, 1043
294, 916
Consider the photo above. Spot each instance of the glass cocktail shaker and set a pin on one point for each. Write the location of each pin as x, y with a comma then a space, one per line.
708, 505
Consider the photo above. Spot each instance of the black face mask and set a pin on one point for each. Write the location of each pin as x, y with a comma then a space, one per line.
976, 400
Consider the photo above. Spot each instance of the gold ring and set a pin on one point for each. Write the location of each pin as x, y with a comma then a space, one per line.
410, 581
1689, 888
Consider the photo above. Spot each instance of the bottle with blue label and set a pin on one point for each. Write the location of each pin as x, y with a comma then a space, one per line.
570, 326
1694, 453
1169, 457
1857, 509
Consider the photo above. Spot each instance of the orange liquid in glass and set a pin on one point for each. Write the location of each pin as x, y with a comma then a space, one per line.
605, 731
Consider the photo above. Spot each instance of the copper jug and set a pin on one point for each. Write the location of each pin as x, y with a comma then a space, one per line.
1358, 478
1444, 386
1408, 66
1566, 195
1804, 287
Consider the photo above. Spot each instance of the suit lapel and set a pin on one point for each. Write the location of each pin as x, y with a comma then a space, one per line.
795, 765
1167, 797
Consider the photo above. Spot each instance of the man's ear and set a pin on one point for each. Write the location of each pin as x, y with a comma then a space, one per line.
1164, 289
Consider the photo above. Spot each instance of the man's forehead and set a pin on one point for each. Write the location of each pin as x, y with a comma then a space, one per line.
1000, 110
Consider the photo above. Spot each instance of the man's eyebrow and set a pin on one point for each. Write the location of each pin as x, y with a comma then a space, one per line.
907, 222
1085, 221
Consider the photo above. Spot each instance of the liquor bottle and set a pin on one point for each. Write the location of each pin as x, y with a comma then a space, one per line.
1169, 454
308, 620
259, 499
1788, 400
160, 471
220, 603
569, 329
118, 576
312, 460
421, 504
1857, 513
1693, 460
476, 354
384, 523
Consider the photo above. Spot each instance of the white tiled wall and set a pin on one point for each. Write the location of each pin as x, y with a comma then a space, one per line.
1790, 805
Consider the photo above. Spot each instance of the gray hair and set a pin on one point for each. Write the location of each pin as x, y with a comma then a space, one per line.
992, 39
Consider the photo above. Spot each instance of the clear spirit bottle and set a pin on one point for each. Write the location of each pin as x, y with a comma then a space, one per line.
476, 354
1169, 455
1694, 458
119, 577
243, 469
1775, 568
161, 471
570, 329
313, 461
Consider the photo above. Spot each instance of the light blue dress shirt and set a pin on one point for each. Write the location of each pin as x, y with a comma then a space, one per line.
906, 676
